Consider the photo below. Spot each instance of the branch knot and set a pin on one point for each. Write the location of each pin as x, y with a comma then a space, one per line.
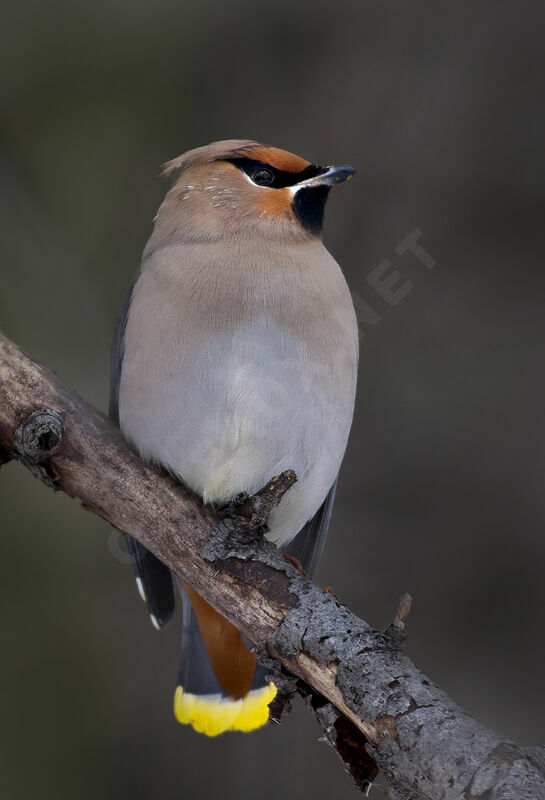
36, 439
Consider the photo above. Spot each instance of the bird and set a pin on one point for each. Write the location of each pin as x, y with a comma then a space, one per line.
234, 358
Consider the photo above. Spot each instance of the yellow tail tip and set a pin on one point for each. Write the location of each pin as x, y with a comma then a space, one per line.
214, 714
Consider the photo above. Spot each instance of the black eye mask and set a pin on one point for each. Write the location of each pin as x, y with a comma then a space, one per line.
279, 178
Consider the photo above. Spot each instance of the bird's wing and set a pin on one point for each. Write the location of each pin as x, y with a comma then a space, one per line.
309, 543
116, 358
152, 576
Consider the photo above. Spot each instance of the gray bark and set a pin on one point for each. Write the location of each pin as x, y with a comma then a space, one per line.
425, 744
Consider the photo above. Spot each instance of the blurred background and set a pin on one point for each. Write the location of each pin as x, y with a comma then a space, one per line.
440, 107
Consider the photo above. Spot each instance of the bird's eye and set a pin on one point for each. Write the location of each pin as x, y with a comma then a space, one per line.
263, 177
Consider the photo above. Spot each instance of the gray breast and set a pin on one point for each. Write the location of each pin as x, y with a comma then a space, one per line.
233, 374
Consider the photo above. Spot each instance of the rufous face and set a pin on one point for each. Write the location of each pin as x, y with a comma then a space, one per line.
230, 190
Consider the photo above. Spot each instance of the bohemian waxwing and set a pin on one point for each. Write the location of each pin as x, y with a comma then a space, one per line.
235, 358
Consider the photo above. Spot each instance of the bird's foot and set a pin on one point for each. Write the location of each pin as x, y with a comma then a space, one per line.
253, 511
234, 506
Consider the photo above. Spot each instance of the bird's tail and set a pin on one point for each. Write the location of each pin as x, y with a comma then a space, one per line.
220, 687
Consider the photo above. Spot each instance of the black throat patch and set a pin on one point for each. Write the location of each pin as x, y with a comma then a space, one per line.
308, 207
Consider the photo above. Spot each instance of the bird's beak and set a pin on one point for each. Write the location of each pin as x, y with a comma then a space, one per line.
329, 176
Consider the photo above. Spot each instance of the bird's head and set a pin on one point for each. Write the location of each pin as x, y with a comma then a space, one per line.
240, 187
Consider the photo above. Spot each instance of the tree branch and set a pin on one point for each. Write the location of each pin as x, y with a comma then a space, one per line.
425, 744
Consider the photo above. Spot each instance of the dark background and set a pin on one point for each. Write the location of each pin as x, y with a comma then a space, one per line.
440, 107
